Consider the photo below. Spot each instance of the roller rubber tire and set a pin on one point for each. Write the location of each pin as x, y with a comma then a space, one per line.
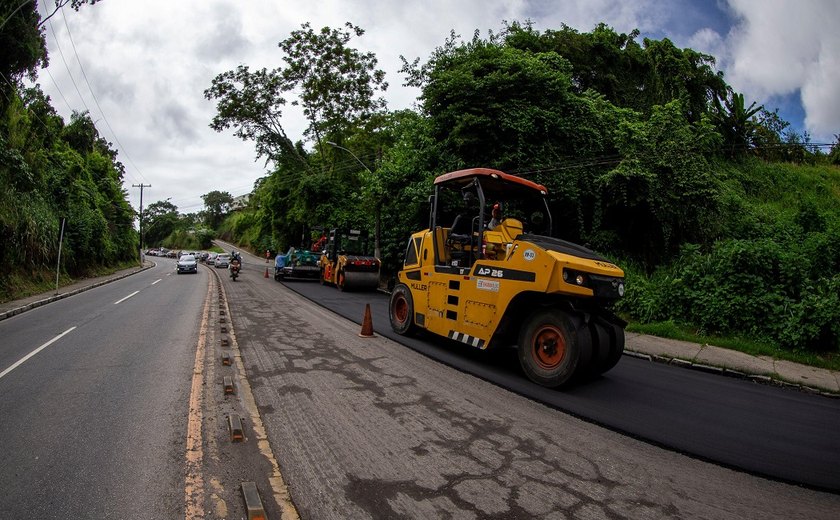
550, 345
616, 334
401, 311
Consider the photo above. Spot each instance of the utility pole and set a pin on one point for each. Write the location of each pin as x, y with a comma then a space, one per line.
141, 186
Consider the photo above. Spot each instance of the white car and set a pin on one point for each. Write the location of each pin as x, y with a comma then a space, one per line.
187, 264
222, 260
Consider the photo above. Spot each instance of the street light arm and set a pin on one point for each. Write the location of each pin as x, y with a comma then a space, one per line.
334, 145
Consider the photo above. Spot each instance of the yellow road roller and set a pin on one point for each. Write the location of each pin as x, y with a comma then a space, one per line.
488, 273
346, 262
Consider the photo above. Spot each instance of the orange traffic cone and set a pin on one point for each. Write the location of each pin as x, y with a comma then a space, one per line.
266, 273
367, 324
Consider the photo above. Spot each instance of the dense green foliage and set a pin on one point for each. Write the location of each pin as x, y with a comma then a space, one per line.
774, 275
52, 170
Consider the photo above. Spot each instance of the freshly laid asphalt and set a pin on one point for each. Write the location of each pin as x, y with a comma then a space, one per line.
774, 430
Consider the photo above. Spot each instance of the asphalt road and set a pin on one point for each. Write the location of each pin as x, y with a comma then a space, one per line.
769, 431
93, 424
367, 428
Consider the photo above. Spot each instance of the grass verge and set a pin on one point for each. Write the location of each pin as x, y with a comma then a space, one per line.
25, 283
672, 330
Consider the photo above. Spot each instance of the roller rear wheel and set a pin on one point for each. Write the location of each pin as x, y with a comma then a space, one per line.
552, 345
616, 340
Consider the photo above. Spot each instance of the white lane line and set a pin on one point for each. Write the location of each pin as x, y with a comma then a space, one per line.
156, 281
127, 297
39, 349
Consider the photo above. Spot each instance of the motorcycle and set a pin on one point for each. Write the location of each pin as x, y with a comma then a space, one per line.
234, 270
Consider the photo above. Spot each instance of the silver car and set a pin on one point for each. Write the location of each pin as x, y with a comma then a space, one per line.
222, 260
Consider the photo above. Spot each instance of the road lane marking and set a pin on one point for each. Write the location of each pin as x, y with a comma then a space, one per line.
39, 349
127, 297
156, 281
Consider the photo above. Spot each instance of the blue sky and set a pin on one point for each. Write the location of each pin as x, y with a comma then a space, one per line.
148, 63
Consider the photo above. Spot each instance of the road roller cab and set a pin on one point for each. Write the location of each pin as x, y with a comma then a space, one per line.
346, 261
488, 273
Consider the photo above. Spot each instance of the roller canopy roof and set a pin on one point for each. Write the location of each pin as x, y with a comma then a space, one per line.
492, 181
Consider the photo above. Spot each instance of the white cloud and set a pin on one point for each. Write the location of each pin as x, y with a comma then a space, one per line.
780, 47
708, 41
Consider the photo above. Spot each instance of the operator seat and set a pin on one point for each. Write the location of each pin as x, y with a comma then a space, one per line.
461, 230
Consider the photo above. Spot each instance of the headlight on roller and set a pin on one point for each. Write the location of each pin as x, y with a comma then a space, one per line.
573, 277
610, 287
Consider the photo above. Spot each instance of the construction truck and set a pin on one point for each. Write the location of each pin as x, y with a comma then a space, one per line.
346, 262
488, 273
296, 264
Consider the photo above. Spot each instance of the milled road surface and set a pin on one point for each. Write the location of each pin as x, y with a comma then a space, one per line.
367, 428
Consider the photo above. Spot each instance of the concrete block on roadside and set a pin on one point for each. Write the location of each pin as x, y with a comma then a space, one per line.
253, 503
235, 427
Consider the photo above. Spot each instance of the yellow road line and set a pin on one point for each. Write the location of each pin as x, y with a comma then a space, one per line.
194, 482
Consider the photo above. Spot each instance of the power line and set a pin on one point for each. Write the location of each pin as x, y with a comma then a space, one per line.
58, 89
84, 75
69, 73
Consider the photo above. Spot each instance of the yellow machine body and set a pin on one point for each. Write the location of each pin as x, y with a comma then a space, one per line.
497, 283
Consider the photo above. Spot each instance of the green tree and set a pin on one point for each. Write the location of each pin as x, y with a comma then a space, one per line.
337, 87
834, 154
627, 74
160, 219
736, 123
23, 44
22, 38
216, 205
503, 107
251, 103
663, 193
337, 84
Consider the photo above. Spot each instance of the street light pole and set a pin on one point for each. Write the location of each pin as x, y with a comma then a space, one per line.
141, 186
377, 209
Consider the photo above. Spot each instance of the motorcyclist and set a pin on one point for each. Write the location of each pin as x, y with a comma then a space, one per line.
235, 265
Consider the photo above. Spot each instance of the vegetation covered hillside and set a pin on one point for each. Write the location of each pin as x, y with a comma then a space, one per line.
51, 170
725, 219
